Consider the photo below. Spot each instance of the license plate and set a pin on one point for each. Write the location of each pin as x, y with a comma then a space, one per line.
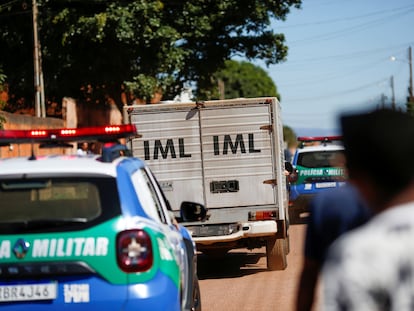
28, 292
325, 185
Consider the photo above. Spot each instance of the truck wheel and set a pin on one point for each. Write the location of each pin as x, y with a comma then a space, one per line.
287, 245
276, 254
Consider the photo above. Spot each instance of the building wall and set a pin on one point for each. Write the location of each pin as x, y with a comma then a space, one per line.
73, 116
25, 122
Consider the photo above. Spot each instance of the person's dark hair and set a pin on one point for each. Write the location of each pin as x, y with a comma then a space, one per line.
380, 144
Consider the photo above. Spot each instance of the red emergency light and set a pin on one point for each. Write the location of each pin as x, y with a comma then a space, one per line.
96, 133
318, 138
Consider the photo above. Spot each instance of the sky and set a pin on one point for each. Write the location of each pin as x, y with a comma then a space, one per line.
339, 60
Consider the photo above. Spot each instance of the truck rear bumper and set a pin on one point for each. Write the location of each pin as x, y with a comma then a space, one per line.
219, 233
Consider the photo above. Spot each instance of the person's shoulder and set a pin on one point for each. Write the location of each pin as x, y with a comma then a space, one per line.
346, 188
346, 192
342, 205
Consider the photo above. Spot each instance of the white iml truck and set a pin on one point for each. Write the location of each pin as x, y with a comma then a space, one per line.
228, 155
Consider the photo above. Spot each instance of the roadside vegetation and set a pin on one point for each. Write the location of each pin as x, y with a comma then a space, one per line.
92, 49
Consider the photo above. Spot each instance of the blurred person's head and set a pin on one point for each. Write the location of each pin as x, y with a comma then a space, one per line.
379, 153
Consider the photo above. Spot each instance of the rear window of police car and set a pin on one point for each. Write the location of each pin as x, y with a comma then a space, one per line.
56, 202
316, 159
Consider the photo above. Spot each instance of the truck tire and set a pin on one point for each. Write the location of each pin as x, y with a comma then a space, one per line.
287, 221
287, 245
276, 254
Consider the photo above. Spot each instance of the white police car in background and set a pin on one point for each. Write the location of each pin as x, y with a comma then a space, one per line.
90, 232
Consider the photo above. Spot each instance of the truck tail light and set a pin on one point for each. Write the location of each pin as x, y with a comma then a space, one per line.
134, 251
262, 215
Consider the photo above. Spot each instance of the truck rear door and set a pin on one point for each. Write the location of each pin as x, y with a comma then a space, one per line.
170, 144
218, 153
237, 155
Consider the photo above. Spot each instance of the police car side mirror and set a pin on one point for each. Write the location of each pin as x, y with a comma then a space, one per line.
190, 211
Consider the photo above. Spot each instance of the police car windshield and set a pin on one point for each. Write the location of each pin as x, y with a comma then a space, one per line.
317, 159
55, 201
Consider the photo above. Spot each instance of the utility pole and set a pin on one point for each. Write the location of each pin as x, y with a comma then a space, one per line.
393, 93
410, 98
38, 74
221, 90
410, 62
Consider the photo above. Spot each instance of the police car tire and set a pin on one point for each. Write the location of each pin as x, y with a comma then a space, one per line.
276, 254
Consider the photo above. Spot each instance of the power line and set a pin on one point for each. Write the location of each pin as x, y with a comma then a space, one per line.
346, 19
335, 95
353, 29
314, 79
334, 75
350, 56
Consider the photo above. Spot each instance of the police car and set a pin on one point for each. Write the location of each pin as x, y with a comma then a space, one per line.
317, 167
90, 232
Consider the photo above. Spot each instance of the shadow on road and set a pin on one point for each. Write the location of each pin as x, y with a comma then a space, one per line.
231, 265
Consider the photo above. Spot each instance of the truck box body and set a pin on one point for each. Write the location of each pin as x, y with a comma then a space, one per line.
225, 154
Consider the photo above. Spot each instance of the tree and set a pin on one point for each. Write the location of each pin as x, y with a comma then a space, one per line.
240, 79
3, 95
3, 88
410, 105
92, 49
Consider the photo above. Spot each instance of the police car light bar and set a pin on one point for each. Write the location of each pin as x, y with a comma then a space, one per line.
97, 133
318, 138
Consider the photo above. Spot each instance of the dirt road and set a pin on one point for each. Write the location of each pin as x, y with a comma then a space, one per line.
241, 282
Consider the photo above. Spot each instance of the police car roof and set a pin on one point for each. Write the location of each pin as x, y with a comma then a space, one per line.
75, 165
321, 147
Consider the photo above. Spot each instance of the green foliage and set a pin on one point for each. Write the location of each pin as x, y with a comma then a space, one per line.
2, 103
115, 43
240, 79
2, 87
410, 106
144, 87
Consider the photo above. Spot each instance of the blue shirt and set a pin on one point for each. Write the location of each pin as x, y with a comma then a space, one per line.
332, 213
